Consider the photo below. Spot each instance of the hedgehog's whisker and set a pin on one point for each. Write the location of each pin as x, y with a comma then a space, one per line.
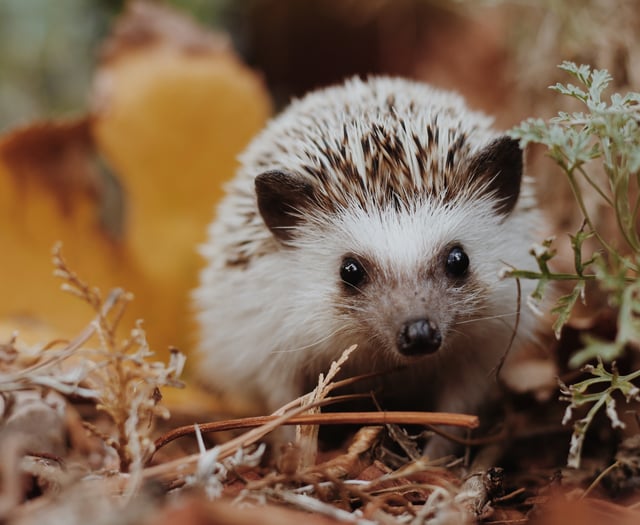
351, 307
310, 345
460, 332
486, 318
354, 286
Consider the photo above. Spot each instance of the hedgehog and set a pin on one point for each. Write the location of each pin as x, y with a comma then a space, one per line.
379, 212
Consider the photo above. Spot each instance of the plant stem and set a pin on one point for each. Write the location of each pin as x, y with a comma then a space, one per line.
595, 186
585, 214
623, 212
526, 274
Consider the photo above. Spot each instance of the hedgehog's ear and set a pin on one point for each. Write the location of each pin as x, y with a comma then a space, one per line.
282, 197
498, 168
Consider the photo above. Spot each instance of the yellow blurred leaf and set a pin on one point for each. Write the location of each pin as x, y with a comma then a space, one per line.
172, 113
50, 191
171, 109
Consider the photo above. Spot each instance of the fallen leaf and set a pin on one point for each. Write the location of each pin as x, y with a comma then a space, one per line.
532, 375
51, 191
198, 512
588, 511
172, 108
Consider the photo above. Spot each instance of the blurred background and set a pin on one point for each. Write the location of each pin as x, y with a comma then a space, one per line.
500, 54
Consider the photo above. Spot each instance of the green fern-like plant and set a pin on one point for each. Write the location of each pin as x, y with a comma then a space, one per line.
605, 136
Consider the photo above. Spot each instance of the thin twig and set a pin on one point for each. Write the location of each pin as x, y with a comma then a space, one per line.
509, 496
335, 418
470, 442
503, 358
185, 465
599, 478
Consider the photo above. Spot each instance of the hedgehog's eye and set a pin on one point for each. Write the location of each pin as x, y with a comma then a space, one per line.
457, 262
352, 272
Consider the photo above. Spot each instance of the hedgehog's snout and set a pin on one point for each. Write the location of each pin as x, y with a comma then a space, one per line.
419, 337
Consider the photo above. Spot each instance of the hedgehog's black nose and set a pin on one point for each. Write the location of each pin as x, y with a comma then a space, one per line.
419, 337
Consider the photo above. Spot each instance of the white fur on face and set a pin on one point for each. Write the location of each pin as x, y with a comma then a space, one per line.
404, 253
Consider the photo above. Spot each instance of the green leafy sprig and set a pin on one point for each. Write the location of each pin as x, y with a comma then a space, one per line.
579, 394
605, 136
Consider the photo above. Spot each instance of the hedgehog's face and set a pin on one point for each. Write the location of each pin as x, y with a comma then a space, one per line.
413, 323
404, 277
413, 281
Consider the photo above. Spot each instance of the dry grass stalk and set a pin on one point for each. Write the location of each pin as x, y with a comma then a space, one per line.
117, 375
126, 384
307, 436
178, 468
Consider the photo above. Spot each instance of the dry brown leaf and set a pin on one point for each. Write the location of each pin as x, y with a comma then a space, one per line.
588, 511
532, 375
50, 191
356, 458
199, 512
